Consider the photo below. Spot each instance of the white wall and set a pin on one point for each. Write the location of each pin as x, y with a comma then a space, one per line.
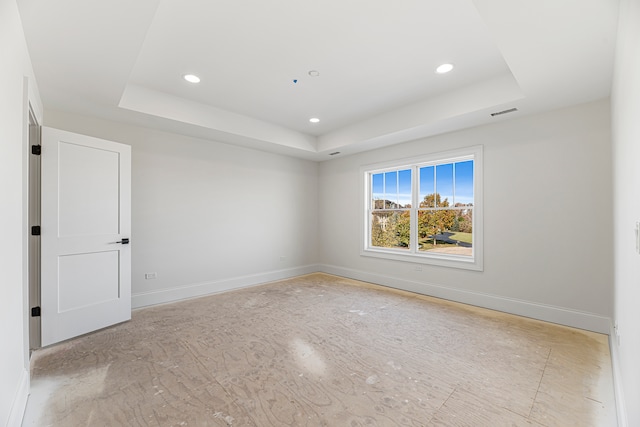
14, 363
626, 166
547, 218
209, 216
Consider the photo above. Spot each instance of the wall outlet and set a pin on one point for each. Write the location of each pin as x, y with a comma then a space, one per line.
417, 268
616, 331
150, 275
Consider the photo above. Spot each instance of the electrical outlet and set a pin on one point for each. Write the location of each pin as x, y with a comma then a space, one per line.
149, 276
616, 331
417, 268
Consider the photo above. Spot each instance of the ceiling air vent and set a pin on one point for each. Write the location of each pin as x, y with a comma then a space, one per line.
498, 113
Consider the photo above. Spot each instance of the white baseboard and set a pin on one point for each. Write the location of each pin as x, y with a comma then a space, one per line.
621, 411
548, 313
19, 402
144, 299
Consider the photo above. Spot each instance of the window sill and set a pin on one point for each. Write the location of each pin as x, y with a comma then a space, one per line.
440, 260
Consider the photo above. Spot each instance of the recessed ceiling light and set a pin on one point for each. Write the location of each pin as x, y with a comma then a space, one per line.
314, 73
314, 120
444, 68
191, 78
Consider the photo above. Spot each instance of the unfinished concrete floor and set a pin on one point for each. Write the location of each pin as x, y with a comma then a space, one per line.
319, 350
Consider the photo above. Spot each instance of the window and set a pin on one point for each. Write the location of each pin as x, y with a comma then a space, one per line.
426, 210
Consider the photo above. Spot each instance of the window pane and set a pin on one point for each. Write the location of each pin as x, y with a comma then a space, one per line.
391, 189
404, 188
427, 187
390, 229
447, 231
377, 189
464, 183
444, 185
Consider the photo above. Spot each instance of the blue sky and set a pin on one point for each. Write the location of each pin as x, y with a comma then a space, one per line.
396, 185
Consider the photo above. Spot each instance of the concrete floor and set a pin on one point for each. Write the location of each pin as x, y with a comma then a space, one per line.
319, 350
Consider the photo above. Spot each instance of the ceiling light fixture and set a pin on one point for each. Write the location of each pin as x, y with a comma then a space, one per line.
191, 78
444, 68
314, 120
314, 73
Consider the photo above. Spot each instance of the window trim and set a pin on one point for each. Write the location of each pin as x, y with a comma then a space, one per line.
476, 261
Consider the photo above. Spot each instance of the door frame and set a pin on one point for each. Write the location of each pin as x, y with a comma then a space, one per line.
33, 113
35, 184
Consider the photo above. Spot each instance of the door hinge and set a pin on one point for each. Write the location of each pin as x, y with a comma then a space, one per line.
36, 149
35, 312
35, 230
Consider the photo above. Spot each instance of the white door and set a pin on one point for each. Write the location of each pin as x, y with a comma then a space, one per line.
86, 224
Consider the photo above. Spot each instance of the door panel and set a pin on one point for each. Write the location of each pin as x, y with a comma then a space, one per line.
86, 199
89, 279
84, 173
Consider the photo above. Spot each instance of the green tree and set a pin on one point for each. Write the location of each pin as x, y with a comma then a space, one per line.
391, 229
403, 229
433, 200
434, 222
456, 224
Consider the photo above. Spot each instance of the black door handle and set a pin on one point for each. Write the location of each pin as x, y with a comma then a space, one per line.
124, 241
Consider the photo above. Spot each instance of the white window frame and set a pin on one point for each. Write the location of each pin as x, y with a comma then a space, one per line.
473, 262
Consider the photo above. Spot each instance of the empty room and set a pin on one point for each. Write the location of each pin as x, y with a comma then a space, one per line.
292, 213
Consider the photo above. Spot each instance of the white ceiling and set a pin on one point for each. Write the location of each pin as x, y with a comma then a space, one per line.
124, 60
